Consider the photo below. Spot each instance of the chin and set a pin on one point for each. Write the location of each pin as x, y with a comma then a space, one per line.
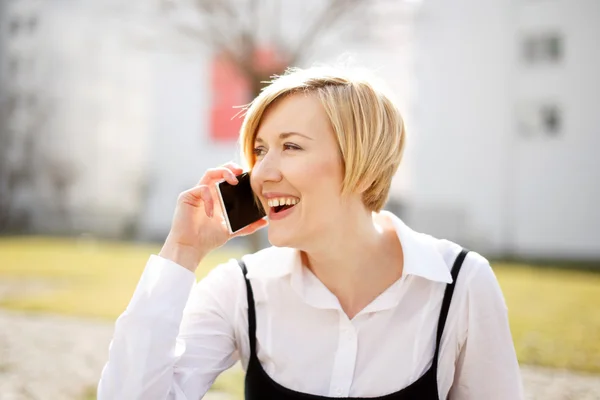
279, 238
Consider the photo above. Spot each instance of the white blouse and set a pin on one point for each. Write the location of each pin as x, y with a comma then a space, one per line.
305, 341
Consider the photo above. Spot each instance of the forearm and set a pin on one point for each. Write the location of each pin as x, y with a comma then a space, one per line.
143, 349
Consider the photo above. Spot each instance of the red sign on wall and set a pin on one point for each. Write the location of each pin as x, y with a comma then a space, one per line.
230, 89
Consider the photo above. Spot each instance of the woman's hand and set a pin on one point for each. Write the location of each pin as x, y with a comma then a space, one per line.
198, 225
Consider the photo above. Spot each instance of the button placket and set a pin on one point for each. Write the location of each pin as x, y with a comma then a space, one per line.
345, 359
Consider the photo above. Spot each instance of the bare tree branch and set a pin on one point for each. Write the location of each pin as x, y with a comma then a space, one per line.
235, 30
330, 15
214, 41
226, 21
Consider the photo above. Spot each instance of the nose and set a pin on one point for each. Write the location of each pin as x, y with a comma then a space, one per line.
266, 170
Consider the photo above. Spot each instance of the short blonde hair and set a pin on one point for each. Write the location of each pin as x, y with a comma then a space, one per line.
366, 122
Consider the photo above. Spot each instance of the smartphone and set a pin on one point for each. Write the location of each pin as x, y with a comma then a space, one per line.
238, 203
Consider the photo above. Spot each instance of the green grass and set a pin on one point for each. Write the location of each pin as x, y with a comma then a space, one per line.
554, 314
85, 278
89, 393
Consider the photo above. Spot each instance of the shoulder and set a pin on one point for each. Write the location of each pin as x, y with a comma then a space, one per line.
475, 265
476, 280
272, 262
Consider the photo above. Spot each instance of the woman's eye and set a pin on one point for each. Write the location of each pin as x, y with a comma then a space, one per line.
291, 146
259, 151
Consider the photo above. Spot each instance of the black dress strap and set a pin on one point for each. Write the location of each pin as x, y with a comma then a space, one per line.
446, 304
251, 311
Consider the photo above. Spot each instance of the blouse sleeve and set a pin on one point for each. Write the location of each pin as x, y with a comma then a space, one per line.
487, 366
175, 337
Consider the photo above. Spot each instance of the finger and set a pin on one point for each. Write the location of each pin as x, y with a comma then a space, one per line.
253, 227
233, 167
199, 195
215, 174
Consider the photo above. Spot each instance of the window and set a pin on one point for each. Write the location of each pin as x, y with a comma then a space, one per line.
540, 119
14, 26
550, 119
543, 48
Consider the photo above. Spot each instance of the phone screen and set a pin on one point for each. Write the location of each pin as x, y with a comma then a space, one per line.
238, 202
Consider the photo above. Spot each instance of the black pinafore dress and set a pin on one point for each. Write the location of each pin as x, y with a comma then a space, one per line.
260, 386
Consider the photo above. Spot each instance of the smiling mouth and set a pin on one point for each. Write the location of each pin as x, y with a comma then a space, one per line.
281, 208
282, 204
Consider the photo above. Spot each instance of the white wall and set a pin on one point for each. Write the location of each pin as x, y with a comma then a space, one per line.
94, 87
462, 116
181, 148
557, 179
392, 55
477, 178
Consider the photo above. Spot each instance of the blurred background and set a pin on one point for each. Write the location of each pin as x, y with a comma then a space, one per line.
109, 109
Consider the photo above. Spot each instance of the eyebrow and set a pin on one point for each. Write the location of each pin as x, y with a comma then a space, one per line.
285, 135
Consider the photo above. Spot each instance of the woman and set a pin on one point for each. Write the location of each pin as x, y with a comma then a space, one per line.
349, 303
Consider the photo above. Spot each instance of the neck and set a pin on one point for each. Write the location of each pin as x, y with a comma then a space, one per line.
356, 260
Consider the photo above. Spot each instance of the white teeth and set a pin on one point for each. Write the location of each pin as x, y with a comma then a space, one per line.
281, 201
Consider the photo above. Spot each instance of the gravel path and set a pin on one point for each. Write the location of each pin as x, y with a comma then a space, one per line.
45, 357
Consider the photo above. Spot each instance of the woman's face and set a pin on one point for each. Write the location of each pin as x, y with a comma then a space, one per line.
298, 172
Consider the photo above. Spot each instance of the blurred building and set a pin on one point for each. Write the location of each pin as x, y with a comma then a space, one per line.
108, 116
3, 45
79, 111
499, 100
507, 126
501, 130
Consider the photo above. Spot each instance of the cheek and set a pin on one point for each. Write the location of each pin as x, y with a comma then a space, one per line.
324, 177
